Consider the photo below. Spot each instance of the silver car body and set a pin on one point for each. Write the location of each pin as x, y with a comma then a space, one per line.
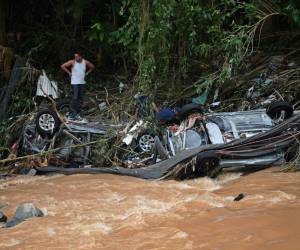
221, 128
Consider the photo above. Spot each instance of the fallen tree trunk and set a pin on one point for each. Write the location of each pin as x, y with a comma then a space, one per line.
6, 60
12, 84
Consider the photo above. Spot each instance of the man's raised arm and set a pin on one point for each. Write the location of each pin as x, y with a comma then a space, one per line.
90, 66
65, 67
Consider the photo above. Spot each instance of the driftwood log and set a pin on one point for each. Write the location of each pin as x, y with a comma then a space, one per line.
9, 89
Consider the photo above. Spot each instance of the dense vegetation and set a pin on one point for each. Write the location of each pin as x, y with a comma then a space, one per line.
173, 49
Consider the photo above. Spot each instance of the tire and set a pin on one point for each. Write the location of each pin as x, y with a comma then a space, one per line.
145, 141
275, 108
190, 108
47, 123
160, 148
207, 164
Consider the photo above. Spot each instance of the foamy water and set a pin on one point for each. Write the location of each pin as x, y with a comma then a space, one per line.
114, 212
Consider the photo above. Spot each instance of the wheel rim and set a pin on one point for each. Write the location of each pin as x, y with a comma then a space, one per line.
47, 122
146, 142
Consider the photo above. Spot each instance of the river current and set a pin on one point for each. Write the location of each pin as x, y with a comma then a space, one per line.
117, 212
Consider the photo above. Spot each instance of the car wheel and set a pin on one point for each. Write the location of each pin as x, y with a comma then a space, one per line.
208, 164
145, 141
279, 111
189, 109
47, 123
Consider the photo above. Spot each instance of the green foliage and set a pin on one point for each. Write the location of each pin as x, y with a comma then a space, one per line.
20, 104
163, 37
159, 44
163, 43
291, 8
293, 12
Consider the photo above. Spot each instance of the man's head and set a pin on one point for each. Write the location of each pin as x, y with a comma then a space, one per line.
78, 57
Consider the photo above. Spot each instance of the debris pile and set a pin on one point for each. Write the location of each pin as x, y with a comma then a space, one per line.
267, 78
142, 140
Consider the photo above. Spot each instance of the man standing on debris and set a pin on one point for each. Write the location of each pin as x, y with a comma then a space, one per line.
78, 67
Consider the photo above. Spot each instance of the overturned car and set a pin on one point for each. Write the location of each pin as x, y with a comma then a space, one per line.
70, 142
223, 128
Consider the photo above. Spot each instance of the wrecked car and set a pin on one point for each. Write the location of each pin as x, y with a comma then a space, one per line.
48, 132
221, 129
204, 144
192, 128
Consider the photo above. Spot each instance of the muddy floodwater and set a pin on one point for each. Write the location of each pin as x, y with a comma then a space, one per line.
115, 212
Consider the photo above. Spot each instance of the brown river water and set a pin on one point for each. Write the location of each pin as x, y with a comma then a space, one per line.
115, 212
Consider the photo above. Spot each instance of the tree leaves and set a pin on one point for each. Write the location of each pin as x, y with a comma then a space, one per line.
175, 34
